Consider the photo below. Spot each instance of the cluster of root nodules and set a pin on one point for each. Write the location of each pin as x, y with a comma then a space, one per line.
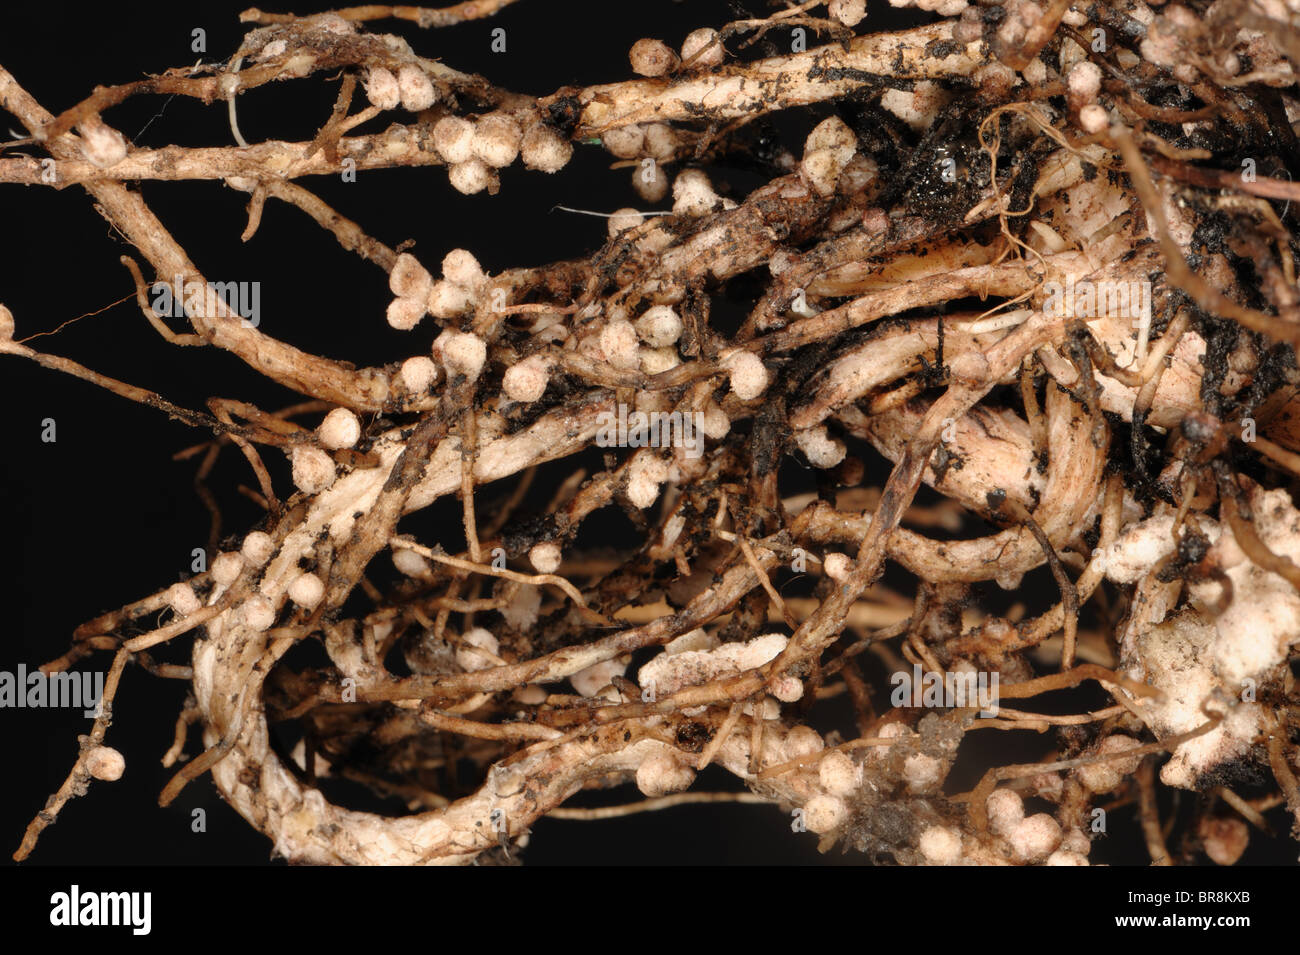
979, 413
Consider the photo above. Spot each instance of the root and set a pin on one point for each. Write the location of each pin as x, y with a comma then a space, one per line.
902, 341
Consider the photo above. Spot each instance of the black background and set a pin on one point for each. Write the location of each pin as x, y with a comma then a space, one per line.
104, 515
